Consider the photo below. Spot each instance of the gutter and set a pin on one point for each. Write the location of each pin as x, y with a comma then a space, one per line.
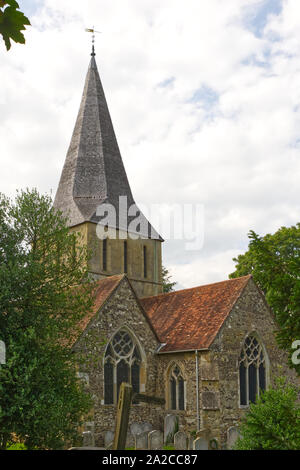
179, 350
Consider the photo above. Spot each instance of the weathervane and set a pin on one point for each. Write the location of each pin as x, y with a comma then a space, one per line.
92, 30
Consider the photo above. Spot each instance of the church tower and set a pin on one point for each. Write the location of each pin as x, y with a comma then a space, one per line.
94, 179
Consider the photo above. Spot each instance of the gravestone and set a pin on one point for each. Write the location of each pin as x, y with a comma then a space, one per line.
2, 353
88, 439
147, 427
213, 444
170, 428
108, 439
136, 428
232, 435
200, 444
190, 442
156, 440
141, 441
88, 434
181, 441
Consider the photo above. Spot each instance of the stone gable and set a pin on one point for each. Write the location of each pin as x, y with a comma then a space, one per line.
121, 309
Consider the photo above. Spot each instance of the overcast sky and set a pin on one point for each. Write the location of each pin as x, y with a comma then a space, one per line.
205, 100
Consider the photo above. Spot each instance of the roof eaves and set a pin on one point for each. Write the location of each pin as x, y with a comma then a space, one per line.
181, 350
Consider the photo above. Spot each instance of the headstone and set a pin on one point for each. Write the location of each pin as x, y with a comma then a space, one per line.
108, 439
170, 428
156, 440
213, 444
191, 441
136, 428
232, 436
88, 434
146, 427
88, 439
141, 441
200, 444
130, 442
181, 441
2, 353
84, 377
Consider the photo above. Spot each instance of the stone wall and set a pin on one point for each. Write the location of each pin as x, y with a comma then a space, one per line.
249, 315
144, 286
120, 310
218, 373
187, 364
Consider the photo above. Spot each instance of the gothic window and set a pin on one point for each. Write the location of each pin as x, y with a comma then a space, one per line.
122, 363
252, 371
176, 389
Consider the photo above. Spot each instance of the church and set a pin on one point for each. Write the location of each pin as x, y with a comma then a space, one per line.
208, 350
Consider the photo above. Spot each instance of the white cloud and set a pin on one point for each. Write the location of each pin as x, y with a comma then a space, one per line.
238, 154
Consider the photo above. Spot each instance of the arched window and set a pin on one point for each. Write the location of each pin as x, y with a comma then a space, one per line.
252, 370
122, 363
176, 389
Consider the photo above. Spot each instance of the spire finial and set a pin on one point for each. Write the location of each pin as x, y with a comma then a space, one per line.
92, 30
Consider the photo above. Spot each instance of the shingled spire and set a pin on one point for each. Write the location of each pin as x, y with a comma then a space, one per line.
93, 172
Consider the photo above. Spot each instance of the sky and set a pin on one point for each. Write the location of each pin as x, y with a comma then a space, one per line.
205, 102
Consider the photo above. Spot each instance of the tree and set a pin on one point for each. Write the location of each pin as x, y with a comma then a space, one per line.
274, 262
273, 422
12, 22
42, 265
168, 285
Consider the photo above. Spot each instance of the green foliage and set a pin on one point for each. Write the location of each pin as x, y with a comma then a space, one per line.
168, 285
17, 446
41, 266
12, 22
273, 423
274, 262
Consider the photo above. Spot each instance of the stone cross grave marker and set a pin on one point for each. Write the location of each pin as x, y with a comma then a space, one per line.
122, 417
123, 410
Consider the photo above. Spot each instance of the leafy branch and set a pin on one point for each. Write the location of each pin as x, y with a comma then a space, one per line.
12, 22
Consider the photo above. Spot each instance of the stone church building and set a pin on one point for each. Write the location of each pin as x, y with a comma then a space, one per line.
208, 350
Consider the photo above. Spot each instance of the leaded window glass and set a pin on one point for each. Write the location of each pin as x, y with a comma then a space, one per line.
122, 363
177, 398
252, 371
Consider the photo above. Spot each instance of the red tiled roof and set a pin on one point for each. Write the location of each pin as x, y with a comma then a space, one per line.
190, 319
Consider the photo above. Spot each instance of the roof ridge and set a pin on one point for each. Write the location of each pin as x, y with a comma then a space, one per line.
164, 294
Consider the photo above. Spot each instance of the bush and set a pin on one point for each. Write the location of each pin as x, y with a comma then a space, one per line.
273, 423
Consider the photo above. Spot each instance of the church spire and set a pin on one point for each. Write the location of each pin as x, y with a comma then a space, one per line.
93, 175
93, 172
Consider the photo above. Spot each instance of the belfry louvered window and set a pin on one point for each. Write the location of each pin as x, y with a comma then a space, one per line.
122, 363
252, 371
176, 389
